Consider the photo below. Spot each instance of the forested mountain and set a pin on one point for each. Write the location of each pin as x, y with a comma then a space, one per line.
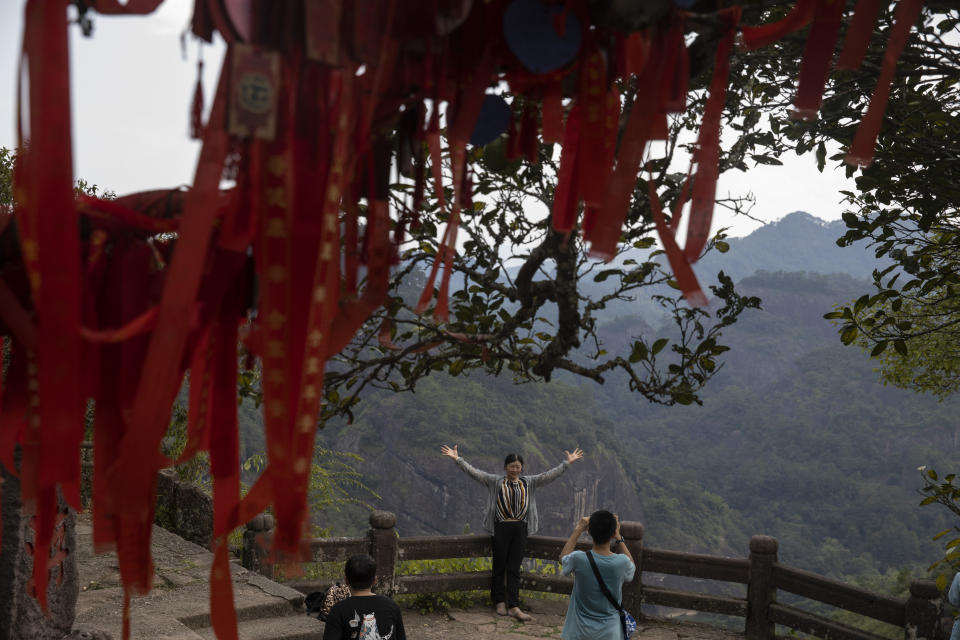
796, 242
795, 438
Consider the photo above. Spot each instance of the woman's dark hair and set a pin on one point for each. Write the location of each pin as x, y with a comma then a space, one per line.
602, 526
513, 457
360, 571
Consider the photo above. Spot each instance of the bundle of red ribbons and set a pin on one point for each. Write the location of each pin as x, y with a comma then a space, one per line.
117, 300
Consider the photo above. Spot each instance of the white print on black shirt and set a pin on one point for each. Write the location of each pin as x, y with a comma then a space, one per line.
369, 630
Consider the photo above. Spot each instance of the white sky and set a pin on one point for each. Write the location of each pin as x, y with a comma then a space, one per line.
132, 91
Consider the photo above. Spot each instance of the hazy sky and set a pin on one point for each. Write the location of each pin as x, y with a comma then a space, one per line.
132, 90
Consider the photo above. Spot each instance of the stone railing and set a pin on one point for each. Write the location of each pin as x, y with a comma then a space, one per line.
919, 615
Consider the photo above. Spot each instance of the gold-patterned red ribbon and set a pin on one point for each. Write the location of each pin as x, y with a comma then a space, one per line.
51, 249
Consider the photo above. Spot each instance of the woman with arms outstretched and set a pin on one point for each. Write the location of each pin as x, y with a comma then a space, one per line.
510, 515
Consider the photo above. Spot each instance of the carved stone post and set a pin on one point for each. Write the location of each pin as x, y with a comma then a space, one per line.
20, 614
632, 533
383, 548
922, 616
760, 590
257, 542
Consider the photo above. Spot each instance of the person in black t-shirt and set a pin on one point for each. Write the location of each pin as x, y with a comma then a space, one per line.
364, 615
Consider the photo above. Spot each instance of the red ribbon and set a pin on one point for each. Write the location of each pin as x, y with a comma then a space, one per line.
565, 197
16, 318
861, 151
552, 111
605, 227
859, 33
766, 34
132, 475
686, 279
707, 154
817, 55
51, 247
593, 163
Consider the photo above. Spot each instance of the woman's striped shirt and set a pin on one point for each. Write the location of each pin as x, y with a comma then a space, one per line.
512, 500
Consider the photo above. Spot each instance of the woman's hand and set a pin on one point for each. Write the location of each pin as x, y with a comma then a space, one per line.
450, 453
573, 457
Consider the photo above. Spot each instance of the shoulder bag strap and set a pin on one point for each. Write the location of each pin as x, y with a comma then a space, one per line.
606, 592
603, 586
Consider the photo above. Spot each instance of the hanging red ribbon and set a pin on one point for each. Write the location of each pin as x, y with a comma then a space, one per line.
132, 474
707, 154
861, 151
565, 196
593, 164
766, 34
604, 233
552, 111
50, 244
817, 55
859, 34
686, 279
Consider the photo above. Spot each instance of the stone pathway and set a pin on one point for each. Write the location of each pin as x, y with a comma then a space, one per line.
178, 607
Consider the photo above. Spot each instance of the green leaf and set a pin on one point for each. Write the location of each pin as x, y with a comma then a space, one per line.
722, 246
848, 335
639, 352
659, 345
932, 474
833, 315
860, 303
942, 533
879, 348
765, 159
606, 273
901, 347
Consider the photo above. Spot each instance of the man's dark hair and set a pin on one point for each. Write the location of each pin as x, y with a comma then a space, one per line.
513, 457
360, 571
602, 526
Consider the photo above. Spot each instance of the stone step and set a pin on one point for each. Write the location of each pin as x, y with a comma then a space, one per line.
177, 613
298, 627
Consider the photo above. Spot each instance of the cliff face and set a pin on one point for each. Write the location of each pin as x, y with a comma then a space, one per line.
432, 496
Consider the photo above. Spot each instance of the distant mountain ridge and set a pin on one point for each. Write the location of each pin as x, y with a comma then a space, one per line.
797, 242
